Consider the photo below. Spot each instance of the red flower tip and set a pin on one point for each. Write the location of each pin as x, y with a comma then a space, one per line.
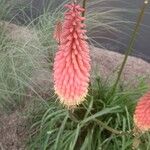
142, 113
72, 60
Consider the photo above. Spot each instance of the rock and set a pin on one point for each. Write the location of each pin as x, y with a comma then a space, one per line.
20, 33
107, 63
104, 63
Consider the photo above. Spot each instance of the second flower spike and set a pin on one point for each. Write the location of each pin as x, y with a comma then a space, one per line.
142, 113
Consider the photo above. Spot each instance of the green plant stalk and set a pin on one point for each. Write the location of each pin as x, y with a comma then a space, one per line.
84, 6
131, 43
114, 131
71, 115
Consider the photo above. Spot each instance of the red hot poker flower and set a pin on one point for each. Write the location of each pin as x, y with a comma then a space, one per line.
72, 60
142, 113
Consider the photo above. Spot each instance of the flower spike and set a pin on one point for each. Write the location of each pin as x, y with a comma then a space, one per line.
142, 113
72, 60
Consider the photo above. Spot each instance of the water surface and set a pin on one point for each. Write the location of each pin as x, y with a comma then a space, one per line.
142, 45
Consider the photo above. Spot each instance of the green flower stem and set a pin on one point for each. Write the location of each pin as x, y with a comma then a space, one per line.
131, 44
84, 6
114, 131
71, 116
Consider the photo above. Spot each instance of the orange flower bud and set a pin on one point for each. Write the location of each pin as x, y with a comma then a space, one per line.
58, 31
